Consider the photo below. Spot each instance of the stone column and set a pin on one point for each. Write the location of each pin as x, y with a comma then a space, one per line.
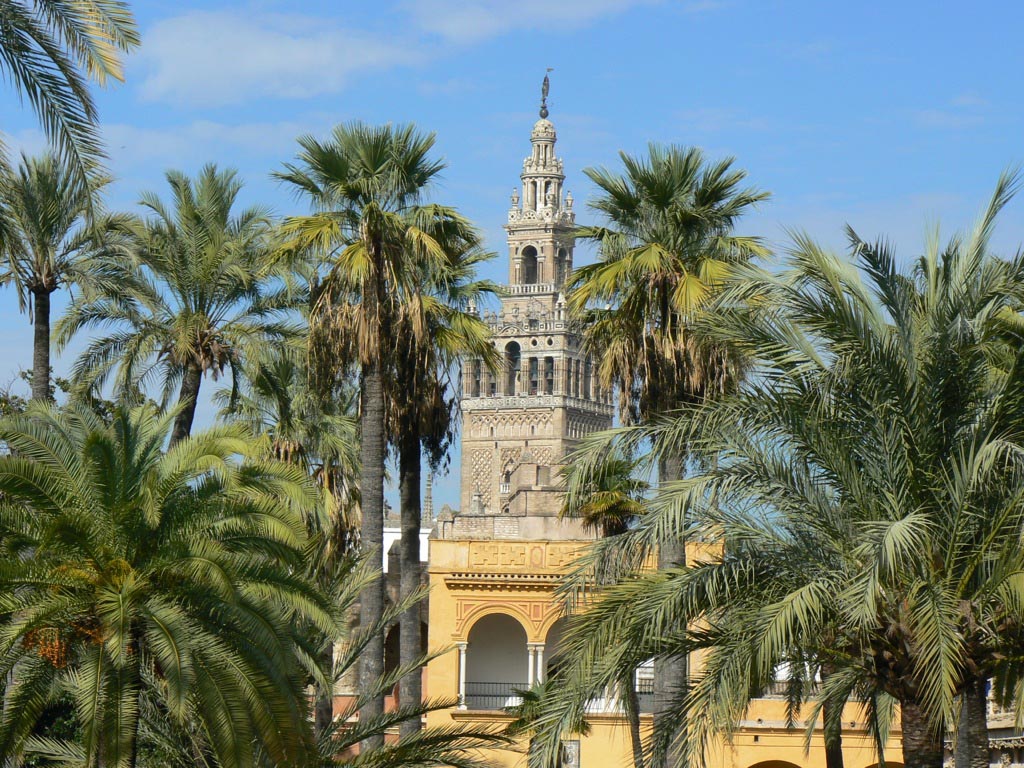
540, 663
462, 674
529, 664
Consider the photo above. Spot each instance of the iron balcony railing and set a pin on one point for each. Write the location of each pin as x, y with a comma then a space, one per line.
493, 695
645, 694
498, 696
777, 689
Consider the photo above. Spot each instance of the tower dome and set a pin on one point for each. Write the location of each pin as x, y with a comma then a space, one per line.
543, 129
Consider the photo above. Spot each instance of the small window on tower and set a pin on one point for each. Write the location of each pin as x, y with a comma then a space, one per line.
533, 375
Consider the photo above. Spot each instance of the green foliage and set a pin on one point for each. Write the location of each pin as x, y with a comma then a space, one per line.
12, 403
195, 287
865, 486
50, 50
315, 431
664, 249
49, 234
135, 580
459, 746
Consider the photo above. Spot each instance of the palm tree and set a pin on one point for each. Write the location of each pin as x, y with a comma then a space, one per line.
366, 184
50, 50
196, 289
423, 404
608, 498
867, 495
48, 240
526, 714
136, 580
665, 248
318, 434
457, 746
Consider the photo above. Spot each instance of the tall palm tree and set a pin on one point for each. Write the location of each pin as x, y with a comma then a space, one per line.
320, 435
142, 579
458, 746
665, 247
49, 237
50, 51
608, 498
423, 400
366, 184
196, 289
867, 492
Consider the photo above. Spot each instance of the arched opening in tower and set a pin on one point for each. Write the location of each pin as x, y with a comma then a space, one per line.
528, 275
562, 265
513, 360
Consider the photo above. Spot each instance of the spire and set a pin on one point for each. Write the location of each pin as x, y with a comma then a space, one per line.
428, 501
544, 88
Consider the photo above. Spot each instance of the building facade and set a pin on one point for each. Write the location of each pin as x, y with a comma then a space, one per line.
494, 565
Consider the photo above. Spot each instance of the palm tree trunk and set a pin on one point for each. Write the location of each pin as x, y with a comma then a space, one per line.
632, 708
371, 600
972, 728
922, 742
669, 674
189, 395
832, 725
410, 687
41, 345
323, 709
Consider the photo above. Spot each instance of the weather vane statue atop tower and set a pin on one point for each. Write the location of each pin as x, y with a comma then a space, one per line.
544, 88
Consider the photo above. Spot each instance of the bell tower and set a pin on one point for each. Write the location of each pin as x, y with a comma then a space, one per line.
541, 220
520, 422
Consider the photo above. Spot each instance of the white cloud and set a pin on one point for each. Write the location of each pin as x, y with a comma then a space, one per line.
966, 110
947, 119
30, 141
217, 58
469, 21
904, 219
131, 145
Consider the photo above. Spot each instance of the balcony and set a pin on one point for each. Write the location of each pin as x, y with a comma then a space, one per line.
530, 288
493, 696
777, 690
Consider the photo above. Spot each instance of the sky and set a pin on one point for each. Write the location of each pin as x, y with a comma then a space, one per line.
892, 117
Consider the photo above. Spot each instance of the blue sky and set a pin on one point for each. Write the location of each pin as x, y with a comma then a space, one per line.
889, 116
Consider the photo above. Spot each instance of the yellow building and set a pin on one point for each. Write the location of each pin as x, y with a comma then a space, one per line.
493, 566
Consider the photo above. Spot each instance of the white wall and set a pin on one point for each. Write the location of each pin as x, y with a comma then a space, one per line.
497, 651
391, 535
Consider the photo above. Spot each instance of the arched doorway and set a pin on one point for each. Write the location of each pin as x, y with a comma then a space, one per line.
496, 662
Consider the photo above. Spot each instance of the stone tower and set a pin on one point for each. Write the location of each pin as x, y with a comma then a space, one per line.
519, 424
